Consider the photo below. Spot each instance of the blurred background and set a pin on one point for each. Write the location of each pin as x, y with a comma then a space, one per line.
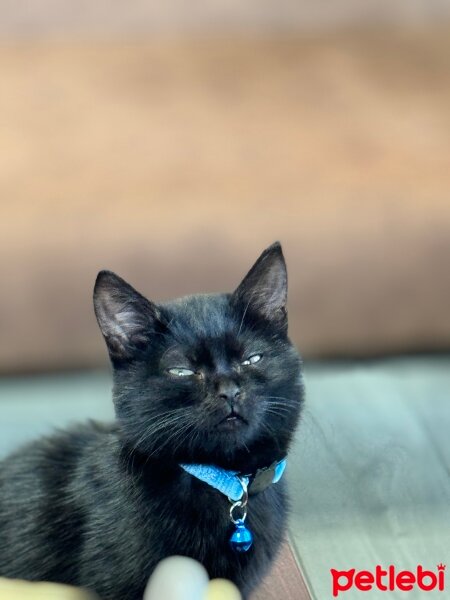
171, 142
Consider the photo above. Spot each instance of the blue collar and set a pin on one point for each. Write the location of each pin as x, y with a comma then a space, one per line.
229, 482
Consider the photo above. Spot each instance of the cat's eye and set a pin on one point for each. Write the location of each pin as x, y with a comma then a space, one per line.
251, 360
181, 372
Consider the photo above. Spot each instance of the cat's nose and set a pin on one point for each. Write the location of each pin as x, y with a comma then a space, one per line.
228, 391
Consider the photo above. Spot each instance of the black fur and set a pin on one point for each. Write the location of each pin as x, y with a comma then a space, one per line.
99, 506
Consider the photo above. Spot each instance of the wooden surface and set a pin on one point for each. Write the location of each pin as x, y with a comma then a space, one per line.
285, 581
369, 477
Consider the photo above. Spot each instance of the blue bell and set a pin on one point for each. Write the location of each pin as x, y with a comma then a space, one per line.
242, 538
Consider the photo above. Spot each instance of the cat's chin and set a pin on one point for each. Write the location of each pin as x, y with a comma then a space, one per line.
229, 440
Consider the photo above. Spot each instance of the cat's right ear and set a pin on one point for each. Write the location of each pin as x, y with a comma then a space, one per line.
264, 288
125, 317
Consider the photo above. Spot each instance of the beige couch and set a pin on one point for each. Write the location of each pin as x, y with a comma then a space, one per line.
176, 161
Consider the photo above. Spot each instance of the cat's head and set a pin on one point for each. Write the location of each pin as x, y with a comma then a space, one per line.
207, 378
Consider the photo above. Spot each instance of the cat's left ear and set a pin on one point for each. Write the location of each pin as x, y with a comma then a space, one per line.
125, 317
264, 288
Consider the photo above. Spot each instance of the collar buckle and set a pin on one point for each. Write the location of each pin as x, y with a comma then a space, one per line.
262, 479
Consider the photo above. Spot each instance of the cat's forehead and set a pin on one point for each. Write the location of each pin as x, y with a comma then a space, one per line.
200, 315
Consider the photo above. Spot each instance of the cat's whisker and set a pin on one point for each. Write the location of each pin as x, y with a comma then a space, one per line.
282, 415
280, 402
177, 431
278, 409
268, 428
164, 414
286, 407
158, 426
185, 437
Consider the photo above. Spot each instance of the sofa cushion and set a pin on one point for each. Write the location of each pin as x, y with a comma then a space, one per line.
176, 162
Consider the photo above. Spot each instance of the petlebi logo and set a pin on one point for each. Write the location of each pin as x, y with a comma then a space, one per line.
388, 580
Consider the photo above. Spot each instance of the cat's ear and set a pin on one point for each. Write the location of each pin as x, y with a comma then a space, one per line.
125, 317
264, 288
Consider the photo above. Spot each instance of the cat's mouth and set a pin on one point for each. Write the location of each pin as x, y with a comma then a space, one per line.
232, 420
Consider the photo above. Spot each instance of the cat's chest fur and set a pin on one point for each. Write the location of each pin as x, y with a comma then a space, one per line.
174, 513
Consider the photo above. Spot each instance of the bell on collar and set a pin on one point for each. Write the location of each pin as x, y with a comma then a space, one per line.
242, 538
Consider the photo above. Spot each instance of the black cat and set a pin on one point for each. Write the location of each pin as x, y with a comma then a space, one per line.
206, 379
